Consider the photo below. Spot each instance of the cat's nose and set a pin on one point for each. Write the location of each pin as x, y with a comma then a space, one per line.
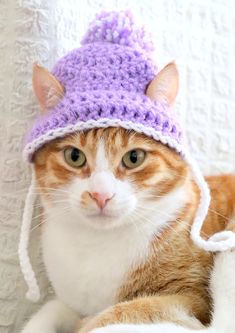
101, 199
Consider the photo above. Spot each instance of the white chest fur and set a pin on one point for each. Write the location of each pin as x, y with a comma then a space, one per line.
86, 267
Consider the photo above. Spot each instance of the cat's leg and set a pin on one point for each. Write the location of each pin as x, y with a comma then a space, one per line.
155, 309
223, 290
53, 317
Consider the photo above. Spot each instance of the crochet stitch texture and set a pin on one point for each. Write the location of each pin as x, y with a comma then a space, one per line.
106, 79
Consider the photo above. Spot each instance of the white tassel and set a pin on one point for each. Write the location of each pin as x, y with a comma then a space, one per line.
33, 292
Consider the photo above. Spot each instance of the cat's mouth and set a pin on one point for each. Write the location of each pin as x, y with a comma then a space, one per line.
102, 214
103, 219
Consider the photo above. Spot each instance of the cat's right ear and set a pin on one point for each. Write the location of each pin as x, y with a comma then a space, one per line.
48, 90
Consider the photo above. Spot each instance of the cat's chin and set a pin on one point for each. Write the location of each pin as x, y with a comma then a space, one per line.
101, 221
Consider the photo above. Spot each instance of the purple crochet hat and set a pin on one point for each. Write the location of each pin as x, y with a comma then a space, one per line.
105, 82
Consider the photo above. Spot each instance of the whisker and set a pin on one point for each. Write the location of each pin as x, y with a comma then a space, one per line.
38, 225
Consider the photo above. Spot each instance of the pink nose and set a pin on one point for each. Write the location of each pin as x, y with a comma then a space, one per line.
101, 199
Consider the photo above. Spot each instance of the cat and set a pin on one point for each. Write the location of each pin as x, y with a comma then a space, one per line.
118, 207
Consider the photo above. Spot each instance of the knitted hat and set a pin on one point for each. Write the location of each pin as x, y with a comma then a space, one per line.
105, 81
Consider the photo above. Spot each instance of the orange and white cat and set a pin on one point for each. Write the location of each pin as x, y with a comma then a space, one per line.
118, 208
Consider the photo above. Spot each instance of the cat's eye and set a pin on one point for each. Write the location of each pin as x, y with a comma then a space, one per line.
74, 157
133, 158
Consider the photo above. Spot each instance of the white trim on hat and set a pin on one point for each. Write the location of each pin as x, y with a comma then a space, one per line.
31, 147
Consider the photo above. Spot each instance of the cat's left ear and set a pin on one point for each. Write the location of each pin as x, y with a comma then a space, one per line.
48, 90
164, 87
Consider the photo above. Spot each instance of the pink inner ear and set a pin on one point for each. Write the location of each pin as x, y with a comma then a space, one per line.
47, 88
164, 87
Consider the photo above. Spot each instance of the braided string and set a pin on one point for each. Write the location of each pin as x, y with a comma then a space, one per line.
33, 292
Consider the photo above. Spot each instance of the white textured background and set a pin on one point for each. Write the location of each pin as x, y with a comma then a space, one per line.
199, 34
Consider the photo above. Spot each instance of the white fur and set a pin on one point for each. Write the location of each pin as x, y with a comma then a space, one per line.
88, 257
87, 266
152, 328
223, 289
102, 162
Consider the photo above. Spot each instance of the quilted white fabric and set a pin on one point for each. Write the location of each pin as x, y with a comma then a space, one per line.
199, 35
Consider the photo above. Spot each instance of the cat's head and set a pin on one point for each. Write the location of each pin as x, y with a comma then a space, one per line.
110, 177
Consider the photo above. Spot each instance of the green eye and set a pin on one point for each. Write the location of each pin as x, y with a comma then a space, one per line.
74, 157
133, 158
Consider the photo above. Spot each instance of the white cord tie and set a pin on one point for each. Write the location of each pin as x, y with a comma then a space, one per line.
33, 292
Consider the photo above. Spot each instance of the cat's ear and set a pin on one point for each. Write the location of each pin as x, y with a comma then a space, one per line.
164, 87
48, 90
